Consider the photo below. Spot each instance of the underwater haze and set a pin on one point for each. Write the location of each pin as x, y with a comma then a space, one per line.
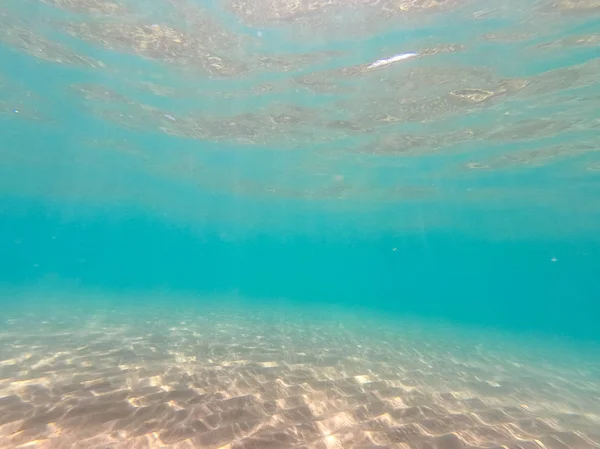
316, 224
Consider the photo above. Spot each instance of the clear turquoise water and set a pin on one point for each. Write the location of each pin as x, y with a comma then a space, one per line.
469, 279
90, 204
458, 187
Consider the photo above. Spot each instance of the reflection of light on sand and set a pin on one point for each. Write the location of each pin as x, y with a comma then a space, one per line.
364, 379
343, 389
332, 442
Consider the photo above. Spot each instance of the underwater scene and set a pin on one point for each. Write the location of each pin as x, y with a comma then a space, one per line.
310, 224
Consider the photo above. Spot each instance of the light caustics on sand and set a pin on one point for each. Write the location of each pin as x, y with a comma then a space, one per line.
396, 58
239, 380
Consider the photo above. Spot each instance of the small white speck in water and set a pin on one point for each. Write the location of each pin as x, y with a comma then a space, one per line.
170, 117
393, 59
553, 259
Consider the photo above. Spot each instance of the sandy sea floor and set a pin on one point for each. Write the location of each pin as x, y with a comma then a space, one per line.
226, 376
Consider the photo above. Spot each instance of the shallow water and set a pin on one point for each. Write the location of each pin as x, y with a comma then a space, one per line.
275, 224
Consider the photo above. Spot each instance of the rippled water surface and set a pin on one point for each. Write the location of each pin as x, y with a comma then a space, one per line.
279, 101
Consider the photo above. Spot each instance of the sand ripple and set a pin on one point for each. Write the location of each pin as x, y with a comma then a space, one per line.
218, 382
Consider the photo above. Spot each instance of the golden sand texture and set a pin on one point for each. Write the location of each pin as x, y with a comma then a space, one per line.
192, 380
